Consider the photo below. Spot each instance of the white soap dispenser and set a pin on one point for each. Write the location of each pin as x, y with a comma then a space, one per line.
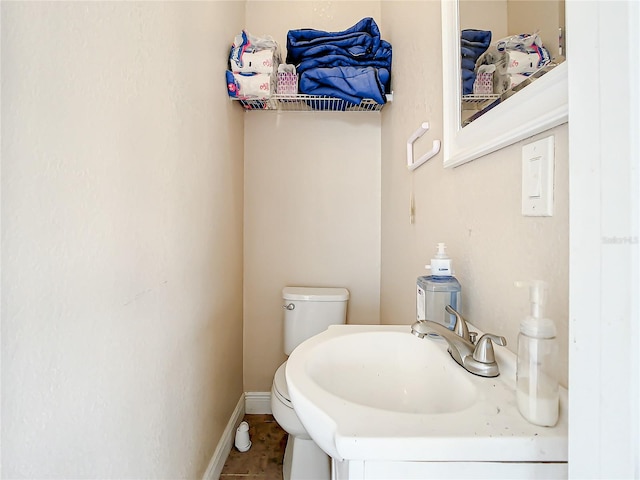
437, 290
537, 390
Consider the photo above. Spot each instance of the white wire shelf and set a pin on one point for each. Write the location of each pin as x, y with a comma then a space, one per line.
310, 103
479, 97
479, 101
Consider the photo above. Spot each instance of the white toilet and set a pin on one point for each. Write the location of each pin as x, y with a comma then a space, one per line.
307, 312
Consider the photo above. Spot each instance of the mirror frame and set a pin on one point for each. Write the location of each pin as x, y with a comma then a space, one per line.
538, 107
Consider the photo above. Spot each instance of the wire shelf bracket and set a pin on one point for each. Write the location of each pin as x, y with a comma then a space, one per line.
413, 164
308, 103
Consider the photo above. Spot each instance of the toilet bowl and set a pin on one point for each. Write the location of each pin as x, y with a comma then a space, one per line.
303, 459
307, 312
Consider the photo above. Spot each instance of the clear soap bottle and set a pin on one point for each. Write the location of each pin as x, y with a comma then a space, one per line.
434, 292
537, 390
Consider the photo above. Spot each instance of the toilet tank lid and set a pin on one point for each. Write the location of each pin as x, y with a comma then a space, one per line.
316, 294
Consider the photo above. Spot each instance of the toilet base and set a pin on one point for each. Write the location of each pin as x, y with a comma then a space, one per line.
308, 463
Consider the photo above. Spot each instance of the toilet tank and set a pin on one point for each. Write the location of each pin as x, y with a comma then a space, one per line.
309, 311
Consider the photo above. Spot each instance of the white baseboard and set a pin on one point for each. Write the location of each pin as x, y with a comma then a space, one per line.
250, 402
257, 402
226, 442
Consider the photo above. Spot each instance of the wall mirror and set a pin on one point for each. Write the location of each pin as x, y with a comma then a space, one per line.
518, 114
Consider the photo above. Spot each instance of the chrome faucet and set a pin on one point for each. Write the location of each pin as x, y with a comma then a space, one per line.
479, 358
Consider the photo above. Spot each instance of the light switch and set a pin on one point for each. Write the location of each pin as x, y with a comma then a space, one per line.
537, 178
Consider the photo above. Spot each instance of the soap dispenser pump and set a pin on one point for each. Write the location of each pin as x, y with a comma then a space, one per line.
537, 390
437, 290
440, 265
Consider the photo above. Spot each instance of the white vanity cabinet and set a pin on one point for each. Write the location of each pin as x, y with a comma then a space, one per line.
374, 470
385, 404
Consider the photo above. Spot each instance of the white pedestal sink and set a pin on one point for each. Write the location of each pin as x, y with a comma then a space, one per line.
385, 404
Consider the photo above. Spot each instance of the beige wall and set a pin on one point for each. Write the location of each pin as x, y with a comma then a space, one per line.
312, 198
474, 208
121, 238
512, 17
544, 17
122, 223
485, 15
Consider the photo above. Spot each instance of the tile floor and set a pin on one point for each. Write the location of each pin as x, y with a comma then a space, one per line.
263, 461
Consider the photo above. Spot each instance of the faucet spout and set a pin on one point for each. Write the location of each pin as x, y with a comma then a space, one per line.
477, 359
459, 348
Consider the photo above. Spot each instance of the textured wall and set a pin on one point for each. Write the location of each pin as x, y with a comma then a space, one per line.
474, 208
489, 15
312, 198
122, 207
312, 218
121, 238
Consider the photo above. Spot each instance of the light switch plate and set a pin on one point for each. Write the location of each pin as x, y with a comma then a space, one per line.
538, 164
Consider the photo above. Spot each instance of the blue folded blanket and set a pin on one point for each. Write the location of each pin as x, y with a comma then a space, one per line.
352, 64
351, 84
360, 40
381, 58
473, 43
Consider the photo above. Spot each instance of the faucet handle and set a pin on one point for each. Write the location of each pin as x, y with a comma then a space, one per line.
484, 349
460, 326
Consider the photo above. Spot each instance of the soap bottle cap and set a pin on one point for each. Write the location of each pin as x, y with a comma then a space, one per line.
535, 325
441, 263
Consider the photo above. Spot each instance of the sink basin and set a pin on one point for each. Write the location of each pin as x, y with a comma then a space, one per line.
362, 368
377, 392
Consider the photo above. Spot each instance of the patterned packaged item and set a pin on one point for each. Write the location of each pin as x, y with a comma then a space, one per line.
287, 83
248, 85
483, 83
252, 67
253, 62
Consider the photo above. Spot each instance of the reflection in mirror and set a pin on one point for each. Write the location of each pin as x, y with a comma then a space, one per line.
538, 107
506, 45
